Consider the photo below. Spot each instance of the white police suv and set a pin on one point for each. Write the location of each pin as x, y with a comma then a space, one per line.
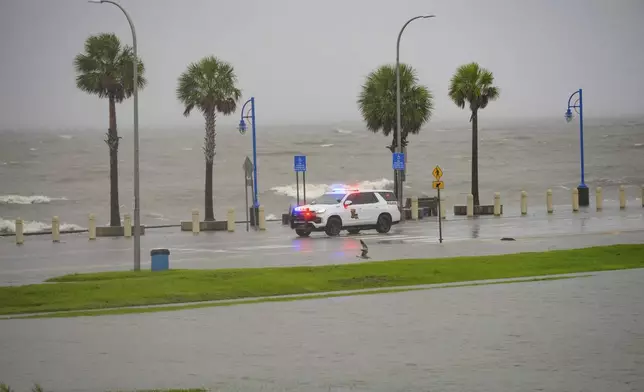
347, 209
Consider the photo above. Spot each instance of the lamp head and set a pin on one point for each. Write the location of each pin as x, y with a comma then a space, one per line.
242, 126
568, 115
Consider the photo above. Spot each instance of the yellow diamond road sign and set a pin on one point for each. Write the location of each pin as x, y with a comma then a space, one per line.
437, 172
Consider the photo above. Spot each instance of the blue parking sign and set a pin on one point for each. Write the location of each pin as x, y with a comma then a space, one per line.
398, 161
299, 163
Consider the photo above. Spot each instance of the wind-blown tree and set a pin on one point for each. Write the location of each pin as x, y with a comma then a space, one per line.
210, 86
106, 69
472, 84
377, 103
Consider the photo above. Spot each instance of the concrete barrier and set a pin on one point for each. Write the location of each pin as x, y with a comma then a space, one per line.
195, 221
414, 208
230, 225
470, 205
20, 236
497, 204
127, 226
575, 200
261, 215
524, 203
92, 227
549, 201
55, 229
622, 197
599, 199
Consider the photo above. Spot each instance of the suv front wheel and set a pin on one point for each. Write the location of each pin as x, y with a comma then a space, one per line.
333, 226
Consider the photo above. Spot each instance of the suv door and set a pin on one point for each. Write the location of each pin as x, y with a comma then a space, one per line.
352, 217
369, 208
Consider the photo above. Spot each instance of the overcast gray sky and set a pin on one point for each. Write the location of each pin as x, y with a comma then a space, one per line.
305, 61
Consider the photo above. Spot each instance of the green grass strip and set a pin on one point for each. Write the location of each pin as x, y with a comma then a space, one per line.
122, 289
169, 308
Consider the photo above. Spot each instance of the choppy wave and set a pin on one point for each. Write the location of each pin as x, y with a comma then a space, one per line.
326, 145
35, 199
343, 131
9, 226
67, 137
272, 217
317, 190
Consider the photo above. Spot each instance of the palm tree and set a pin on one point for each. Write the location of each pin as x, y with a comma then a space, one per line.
473, 84
106, 69
209, 85
377, 103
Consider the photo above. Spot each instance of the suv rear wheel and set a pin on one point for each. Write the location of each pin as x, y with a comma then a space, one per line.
384, 223
333, 226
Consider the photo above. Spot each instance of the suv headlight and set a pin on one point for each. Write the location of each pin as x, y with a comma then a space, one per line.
320, 211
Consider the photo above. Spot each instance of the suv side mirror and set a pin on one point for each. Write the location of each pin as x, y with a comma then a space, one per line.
347, 203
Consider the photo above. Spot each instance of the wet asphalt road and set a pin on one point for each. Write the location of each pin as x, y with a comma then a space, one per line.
583, 334
39, 258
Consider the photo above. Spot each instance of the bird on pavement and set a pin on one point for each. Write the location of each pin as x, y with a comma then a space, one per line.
364, 250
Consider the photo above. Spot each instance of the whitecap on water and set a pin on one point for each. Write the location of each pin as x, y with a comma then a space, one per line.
35, 199
9, 226
326, 145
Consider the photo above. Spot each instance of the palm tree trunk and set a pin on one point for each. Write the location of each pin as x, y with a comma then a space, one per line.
475, 157
209, 153
112, 141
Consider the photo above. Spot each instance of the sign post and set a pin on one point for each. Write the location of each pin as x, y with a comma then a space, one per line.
398, 164
299, 166
438, 184
248, 181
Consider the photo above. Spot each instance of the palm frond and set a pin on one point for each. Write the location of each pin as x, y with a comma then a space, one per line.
377, 100
209, 84
106, 68
473, 85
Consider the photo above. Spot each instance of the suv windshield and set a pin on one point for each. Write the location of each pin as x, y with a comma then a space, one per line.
329, 198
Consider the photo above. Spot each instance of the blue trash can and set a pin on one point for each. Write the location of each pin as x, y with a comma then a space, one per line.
160, 259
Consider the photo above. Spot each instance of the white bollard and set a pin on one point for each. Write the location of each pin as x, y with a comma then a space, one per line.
599, 199
497, 204
261, 216
622, 197
92, 227
195, 221
443, 209
20, 227
575, 200
524, 203
127, 226
549, 201
414, 207
230, 225
470, 205
55, 229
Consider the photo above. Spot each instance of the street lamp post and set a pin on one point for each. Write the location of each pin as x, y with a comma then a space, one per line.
242, 129
135, 94
584, 197
399, 183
